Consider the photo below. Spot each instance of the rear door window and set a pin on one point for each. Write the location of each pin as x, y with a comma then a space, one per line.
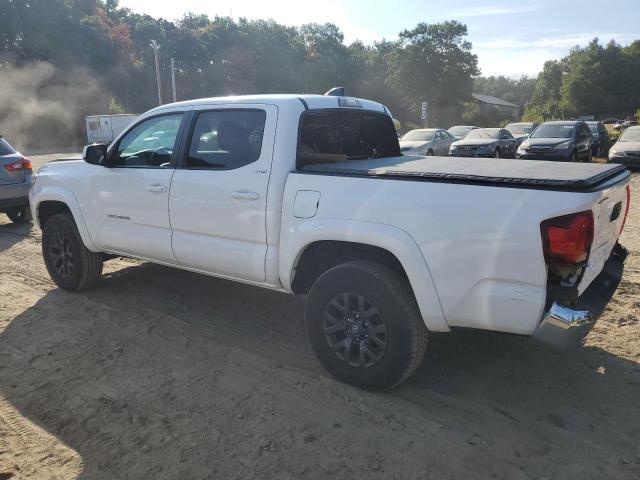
226, 139
5, 148
327, 136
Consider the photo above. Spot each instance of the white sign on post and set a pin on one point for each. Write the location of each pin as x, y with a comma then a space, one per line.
423, 114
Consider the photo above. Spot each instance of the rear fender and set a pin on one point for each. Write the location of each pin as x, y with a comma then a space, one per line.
297, 237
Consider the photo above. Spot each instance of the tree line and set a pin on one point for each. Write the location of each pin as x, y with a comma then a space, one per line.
92, 56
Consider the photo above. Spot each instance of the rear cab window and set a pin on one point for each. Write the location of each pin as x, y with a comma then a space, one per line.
5, 148
335, 135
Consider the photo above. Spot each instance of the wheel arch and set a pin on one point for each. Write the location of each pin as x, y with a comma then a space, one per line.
315, 246
50, 202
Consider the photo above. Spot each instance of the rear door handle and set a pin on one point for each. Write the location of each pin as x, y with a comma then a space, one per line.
156, 188
245, 196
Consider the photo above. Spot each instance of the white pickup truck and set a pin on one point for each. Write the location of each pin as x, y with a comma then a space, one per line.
310, 195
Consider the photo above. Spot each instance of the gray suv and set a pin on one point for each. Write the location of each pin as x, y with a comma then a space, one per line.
563, 141
15, 182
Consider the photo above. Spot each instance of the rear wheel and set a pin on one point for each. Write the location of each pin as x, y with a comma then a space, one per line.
19, 214
70, 264
364, 325
497, 153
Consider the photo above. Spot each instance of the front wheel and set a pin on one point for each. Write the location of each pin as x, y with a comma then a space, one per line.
497, 153
364, 325
19, 214
70, 264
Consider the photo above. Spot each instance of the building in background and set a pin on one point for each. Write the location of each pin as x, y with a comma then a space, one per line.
488, 105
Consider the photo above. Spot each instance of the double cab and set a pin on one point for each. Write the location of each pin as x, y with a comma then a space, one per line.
310, 195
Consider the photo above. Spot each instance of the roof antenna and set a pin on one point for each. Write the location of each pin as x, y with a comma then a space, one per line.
336, 92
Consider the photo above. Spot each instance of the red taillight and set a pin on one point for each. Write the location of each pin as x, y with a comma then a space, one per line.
626, 209
19, 165
567, 240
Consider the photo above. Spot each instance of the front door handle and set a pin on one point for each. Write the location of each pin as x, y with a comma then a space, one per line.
245, 196
156, 188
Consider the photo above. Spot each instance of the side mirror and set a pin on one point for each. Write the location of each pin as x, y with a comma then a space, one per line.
95, 153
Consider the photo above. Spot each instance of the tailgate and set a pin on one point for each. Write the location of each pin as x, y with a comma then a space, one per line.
8, 177
609, 213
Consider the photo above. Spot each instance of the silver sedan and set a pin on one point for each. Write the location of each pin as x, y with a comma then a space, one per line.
426, 141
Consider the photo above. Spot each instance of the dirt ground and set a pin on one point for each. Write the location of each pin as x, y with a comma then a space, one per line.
158, 373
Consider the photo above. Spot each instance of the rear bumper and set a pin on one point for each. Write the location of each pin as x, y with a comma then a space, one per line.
14, 195
564, 327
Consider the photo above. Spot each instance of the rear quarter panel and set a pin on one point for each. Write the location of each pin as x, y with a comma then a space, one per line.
481, 244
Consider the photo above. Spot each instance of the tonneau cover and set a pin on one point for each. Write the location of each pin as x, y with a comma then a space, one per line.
497, 171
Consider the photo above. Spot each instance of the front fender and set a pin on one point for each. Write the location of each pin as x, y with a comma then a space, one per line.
64, 195
297, 237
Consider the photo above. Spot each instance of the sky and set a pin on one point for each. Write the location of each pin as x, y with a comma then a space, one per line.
510, 38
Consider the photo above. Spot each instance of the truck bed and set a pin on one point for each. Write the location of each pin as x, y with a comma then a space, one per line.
486, 171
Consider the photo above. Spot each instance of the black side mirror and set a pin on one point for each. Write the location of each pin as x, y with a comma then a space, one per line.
95, 154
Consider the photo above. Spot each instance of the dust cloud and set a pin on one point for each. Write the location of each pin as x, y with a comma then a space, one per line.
43, 107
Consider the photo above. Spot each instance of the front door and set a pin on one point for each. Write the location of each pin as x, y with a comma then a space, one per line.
219, 192
132, 193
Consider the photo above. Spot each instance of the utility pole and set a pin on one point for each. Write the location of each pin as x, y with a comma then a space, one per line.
173, 79
156, 47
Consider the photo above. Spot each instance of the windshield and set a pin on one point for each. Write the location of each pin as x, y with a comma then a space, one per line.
419, 135
491, 133
459, 131
5, 148
553, 131
520, 128
631, 135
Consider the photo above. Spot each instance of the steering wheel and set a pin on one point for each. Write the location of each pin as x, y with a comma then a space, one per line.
160, 151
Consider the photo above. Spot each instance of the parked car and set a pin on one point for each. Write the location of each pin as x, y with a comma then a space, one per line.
627, 149
565, 141
600, 138
621, 125
15, 182
521, 130
610, 121
485, 142
460, 131
385, 248
426, 141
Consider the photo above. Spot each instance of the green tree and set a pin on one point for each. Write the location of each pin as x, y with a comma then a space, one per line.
434, 63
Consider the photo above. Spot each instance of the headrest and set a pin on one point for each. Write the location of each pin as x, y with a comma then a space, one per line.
232, 136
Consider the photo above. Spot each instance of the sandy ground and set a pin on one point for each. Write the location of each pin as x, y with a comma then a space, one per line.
166, 374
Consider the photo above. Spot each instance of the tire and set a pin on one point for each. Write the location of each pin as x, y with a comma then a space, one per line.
70, 264
19, 214
497, 153
590, 157
573, 158
430, 153
337, 325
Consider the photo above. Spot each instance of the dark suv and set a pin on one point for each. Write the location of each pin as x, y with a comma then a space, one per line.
600, 138
564, 141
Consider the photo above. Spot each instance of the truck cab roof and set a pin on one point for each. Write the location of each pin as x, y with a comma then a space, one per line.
306, 101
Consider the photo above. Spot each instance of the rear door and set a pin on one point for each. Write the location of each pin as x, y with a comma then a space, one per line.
218, 195
442, 143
